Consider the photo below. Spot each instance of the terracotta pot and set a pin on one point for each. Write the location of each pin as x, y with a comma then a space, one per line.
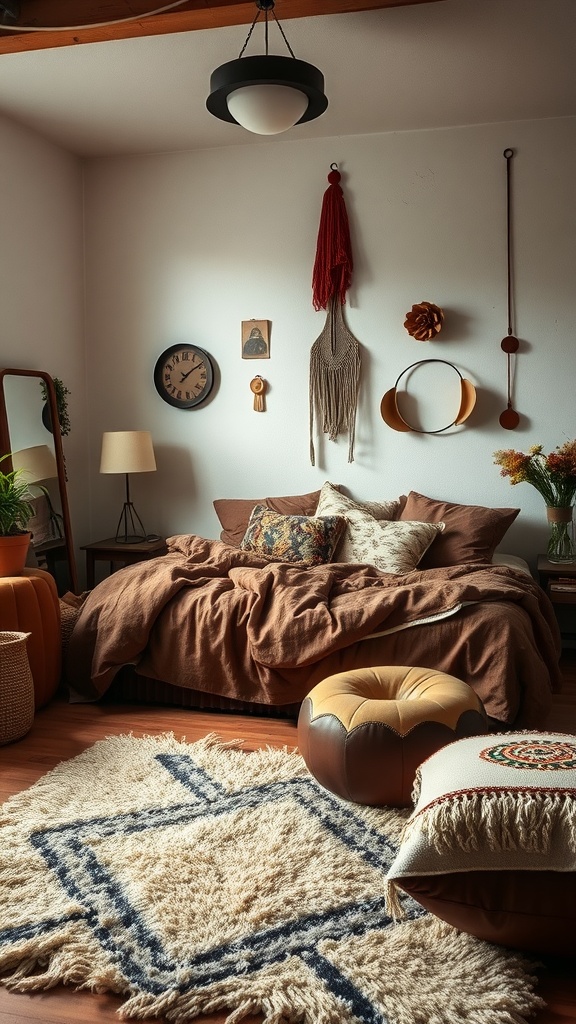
13, 554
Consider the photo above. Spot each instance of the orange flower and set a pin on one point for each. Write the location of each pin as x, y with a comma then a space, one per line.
553, 475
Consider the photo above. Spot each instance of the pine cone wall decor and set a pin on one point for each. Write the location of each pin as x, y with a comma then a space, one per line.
424, 321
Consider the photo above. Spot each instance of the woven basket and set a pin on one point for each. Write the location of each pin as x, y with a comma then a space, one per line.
16, 687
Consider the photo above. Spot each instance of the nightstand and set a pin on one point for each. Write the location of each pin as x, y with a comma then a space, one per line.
117, 554
558, 579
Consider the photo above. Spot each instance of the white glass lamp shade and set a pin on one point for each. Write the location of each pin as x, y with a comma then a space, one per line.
127, 451
267, 109
37, 463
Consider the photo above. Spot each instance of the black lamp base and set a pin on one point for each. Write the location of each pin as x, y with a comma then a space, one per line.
126, 531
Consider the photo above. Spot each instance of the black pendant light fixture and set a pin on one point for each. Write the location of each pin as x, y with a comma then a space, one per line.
267, 94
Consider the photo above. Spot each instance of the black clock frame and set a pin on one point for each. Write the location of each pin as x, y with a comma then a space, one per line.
183, 403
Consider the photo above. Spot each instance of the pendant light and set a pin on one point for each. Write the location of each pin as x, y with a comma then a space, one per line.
267, 94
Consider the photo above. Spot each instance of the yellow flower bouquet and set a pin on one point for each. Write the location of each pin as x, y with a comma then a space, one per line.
554, 477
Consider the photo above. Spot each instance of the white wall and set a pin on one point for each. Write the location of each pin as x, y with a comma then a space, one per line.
42, 292
184, 247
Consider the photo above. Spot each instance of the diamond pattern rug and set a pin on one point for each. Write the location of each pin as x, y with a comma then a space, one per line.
196, 878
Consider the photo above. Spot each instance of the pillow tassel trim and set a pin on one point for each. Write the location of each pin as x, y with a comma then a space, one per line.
498, 820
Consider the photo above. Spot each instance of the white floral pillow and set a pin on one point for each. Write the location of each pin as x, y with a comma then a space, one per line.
391, 548
359, 514
371, 537
394, 547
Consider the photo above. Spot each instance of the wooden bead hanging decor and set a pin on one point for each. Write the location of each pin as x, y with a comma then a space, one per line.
509, 419
258, 389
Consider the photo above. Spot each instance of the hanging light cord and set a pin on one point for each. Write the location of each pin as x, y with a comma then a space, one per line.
282, 33
97, 24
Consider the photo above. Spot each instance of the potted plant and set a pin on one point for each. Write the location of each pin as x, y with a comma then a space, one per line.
61, 403
15, 514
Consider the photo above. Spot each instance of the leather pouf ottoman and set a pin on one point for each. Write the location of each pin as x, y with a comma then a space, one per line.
29, 604
364, 733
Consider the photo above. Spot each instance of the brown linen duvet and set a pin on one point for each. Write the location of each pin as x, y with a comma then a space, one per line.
211, 618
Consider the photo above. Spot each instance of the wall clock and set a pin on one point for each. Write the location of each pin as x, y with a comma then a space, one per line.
184, 376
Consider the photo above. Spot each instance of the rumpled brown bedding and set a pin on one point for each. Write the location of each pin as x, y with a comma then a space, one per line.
214, 618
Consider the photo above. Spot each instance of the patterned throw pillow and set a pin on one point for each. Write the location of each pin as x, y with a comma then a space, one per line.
303, 539
361, 516
394, 547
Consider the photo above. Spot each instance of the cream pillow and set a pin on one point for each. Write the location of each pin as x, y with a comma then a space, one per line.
395, 547
372, 538
361, 516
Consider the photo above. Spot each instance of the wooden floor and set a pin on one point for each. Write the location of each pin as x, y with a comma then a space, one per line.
61, 731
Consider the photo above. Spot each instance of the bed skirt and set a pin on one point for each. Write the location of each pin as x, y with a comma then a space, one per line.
133, 688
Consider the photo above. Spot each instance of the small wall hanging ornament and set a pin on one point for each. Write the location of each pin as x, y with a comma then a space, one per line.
424, 321
258, 388
335, 355
509, 419
393, 417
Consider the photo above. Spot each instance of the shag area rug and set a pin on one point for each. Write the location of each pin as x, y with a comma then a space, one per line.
196, 878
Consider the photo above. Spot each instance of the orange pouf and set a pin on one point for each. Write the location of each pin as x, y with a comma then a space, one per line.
29, 604
364, 733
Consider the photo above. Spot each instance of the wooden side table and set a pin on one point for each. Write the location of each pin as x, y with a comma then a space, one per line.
558, 579
110, 550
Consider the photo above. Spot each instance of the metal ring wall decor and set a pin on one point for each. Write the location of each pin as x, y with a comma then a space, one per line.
393, 417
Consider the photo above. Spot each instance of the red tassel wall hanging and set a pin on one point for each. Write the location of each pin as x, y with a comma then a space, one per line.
332, 272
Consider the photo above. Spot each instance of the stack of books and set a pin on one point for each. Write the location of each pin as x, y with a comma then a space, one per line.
563, 584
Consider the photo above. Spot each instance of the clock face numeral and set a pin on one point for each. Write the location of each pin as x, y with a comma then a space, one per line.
184, 376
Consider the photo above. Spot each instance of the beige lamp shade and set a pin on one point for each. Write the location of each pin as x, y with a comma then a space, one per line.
127, 451
38, 463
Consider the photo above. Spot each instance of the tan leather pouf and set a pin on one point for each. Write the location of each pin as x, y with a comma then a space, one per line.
364, 733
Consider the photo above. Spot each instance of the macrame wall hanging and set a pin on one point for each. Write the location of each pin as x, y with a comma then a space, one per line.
335, 355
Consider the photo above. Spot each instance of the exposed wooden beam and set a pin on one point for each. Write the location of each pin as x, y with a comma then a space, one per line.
192, 16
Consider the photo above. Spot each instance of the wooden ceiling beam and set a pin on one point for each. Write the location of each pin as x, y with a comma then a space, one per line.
192, 16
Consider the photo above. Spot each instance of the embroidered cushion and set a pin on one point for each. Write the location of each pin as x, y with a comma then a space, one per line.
360, 516
308, 539
490, 846
234, 513
472, 532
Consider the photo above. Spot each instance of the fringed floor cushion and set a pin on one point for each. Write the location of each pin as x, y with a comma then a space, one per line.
491, 844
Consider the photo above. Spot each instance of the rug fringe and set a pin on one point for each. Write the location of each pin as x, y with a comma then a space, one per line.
392, 900
60, 959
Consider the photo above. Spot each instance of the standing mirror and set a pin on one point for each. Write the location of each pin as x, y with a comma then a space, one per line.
39, 452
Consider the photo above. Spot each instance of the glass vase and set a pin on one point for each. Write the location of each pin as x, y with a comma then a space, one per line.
561, 540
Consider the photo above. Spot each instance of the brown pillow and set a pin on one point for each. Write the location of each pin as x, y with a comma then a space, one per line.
234, 513
471, 532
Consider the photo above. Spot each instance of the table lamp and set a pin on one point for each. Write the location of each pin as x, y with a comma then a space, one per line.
128, 451
39, 463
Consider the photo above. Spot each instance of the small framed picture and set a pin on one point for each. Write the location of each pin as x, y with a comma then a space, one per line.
255, 339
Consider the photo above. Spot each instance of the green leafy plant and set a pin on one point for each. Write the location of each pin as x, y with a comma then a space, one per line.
61, 403
15, 508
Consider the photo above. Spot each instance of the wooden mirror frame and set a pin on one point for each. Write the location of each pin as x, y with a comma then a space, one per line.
6, 448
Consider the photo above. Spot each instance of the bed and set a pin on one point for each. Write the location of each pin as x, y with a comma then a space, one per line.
303, 586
